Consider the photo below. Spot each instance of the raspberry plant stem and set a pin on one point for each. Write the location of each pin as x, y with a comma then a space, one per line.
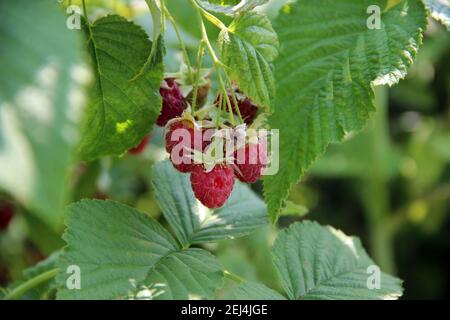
180, 41
17, 292
233, 95
197, 76
227, 99
163, 16
217, 65
213, 19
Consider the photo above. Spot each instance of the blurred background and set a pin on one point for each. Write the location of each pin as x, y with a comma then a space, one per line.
389, 184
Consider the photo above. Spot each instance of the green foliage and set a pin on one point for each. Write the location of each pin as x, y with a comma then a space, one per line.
121, 110
317, 262
254, 291
187, 274
328, 61
40, 105
192, 222
312, 73
248, 47
122, 253
230, 7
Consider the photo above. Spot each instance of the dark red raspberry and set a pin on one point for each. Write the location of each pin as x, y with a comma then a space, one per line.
140, 147
6, 214
173, 102
250, 161
186, 138
212, 188
247, 108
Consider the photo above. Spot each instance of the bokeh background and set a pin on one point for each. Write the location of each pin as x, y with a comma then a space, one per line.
389, 184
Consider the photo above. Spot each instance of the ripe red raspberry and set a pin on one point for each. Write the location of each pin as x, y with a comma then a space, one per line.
247, 108
212, 188
185, 137
6, 214
173, 102
250, 161
140, 147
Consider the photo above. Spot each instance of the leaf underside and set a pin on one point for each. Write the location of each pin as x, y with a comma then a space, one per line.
322, 263
317, 262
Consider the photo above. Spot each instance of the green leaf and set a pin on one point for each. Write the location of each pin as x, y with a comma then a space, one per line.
41, 95
158, 49
230, 7
121, 111
194, 223
254, 291
328, 61
318, 262
192, 273
121, 252
440, 10
248, 47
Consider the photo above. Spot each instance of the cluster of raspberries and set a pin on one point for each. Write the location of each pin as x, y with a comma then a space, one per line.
212, 183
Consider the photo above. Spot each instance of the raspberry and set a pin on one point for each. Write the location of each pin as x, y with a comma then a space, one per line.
212, 188
173, 102
250, 162
140, 147
179, 125
185, 139
6, 215
247, 108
